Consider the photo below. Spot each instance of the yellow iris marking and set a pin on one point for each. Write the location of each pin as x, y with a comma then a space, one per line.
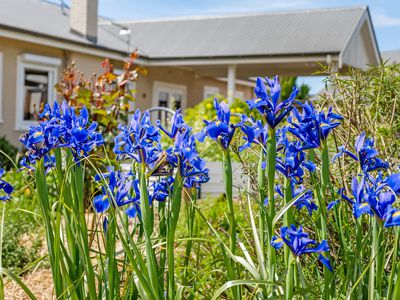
104, 197
80, 128
218, 122
258, 100
279, 240
396, 214
363, 205
38, 133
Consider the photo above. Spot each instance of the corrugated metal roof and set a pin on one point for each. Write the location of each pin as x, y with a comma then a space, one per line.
302, 32
48, 19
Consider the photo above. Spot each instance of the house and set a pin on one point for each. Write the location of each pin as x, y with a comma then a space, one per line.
187, 58
392, 56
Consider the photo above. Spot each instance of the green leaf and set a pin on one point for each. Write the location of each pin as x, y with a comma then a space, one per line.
18, 281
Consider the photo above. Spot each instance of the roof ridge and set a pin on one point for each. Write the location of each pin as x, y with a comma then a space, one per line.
238, 15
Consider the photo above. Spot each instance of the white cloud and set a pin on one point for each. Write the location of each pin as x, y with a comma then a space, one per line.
382, 20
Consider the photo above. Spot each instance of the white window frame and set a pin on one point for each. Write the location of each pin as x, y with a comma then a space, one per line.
159, 86
1, 88
210, 90
35, 62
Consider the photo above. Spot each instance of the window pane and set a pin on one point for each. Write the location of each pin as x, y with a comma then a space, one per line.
35, 92
176, 100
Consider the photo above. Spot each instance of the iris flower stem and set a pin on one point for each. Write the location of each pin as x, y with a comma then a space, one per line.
261, 188
271, 169
288, 217
301, 275
290, 277
162, 234
227, 166
3, 211
394, 264
376, 269
190, 223
148, 229
358, 256
324, 186
323, 207
173, 217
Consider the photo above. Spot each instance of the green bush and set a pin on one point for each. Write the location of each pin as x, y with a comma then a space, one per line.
7, 152
369, 100
22, 236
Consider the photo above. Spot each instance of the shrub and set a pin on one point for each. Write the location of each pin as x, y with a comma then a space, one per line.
8, 153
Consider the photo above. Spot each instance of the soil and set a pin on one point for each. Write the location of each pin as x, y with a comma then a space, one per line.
38, 281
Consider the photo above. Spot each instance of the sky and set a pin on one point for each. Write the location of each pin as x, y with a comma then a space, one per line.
385, 14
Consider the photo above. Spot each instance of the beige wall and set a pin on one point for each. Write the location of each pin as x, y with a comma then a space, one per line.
88, 64
194, 85
11, 49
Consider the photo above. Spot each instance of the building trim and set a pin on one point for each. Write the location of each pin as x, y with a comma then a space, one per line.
357, 30
40, 39
240, 60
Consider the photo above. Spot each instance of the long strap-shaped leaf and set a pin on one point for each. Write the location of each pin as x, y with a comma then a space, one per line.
233, 283
18, 281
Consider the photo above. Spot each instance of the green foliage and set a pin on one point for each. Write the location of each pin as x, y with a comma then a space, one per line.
287, 84
23, 237
370, 101
194, 117
7, 151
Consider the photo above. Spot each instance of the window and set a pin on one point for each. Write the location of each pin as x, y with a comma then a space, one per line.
36, 78
168, 95
210, 91
1, 87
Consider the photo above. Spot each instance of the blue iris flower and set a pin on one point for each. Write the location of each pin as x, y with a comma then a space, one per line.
305, 200
393, 181
380, 197
358, 203
255, 133
220, 130
374, 198
121, 189
312, 126
140, 140
299, 243
292, 162
267, 101
161, 189
366, 154
332, 204
184, 156
177, 125
392, 218
60, 127
5, 187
